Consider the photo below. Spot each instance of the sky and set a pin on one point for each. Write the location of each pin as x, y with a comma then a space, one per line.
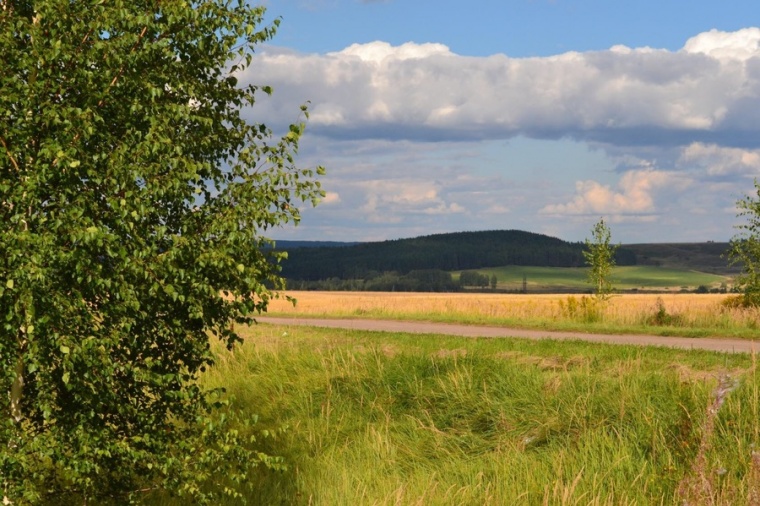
537, 115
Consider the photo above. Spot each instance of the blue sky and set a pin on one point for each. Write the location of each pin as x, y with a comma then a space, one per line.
528, 114
516, 27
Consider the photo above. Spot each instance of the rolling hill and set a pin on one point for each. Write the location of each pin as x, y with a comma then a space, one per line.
447, 252
549, 262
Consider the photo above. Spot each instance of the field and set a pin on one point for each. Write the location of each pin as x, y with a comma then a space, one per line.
398, 419
565, 279
690, 315
393, 419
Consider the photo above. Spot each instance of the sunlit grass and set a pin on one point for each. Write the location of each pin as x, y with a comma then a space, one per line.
375, 418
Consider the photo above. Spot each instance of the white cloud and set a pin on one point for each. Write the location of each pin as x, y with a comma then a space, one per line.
721, 161
740, 45
411, 136
635, 195
379, 52
389, 200
331, 198
405, 189
708, 92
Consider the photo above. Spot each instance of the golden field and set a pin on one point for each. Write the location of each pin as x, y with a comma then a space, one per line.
685, 314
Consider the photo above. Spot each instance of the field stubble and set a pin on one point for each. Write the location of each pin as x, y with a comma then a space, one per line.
665, 314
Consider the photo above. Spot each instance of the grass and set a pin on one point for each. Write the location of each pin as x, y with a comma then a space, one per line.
688, 315
374, 418
562, 279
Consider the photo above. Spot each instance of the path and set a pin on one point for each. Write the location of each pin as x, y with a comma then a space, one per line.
702, 343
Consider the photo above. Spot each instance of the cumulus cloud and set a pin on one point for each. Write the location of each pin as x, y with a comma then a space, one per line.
331, 198
741, 45
390, 200
635, 195
680, 130
716, 160
708, 92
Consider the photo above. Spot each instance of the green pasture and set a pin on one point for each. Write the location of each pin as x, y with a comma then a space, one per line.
640, 277
397, 419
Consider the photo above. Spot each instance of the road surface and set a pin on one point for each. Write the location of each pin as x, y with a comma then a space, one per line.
698, 343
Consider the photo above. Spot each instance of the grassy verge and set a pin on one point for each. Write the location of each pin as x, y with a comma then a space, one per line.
374, 418
685, 315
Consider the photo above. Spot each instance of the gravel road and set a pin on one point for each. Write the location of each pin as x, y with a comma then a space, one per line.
702, 343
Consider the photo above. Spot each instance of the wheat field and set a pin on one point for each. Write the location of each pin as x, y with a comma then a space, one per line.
684, 314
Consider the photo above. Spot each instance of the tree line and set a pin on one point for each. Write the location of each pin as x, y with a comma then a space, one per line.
425, 280
444, 252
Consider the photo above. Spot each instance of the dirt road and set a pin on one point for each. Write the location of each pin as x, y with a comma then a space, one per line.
701, 343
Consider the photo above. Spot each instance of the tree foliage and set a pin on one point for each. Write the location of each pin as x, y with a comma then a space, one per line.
474, 278
133, 195
600, 258
744, 248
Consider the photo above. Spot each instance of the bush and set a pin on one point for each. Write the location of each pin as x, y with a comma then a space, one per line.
661, 317
584, 310
736, 302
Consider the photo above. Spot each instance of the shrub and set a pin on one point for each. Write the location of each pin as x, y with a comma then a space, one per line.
661, 317
584, 310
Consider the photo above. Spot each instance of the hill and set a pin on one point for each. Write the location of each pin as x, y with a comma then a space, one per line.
703, 257
446, 252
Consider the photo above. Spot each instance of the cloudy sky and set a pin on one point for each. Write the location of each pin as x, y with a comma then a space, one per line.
538, 115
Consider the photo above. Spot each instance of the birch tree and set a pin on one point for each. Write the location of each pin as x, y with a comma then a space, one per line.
744, 249
134, 195
600, 258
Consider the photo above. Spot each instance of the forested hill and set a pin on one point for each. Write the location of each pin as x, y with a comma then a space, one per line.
448, 252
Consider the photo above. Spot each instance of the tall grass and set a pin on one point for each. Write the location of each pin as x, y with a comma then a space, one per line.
370, 418
667, 314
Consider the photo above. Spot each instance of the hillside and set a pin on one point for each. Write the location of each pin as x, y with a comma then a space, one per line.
703, 257
446, 252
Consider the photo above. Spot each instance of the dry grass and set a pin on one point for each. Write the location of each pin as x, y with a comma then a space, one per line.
684, 311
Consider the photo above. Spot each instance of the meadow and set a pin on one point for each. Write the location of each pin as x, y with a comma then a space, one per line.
635, 277
398, 419
393, 419
690, 315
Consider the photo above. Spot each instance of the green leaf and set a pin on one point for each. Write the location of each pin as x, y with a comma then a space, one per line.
65, 349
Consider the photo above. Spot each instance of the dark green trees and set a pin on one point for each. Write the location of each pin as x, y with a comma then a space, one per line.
133, 196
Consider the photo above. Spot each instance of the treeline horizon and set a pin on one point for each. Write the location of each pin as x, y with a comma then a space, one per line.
392, 262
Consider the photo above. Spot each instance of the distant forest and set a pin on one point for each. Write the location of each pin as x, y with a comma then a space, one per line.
401, 264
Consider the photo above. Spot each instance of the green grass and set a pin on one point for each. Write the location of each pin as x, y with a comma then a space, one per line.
560, 279
376, 418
